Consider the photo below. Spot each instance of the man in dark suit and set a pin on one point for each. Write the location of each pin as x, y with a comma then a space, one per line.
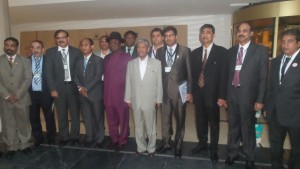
40, 97
130, 48
157, 39
176, 69
247, 82
60, 67
209, 70
88, 75
282, 102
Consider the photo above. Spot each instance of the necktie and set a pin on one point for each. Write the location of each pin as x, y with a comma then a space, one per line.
201, 78
10, 61
287, 59
65, 62
37, 72
85, 62
128, 50
170, 57
236, 76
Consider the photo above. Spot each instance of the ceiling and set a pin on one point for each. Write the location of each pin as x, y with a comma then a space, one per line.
29, 11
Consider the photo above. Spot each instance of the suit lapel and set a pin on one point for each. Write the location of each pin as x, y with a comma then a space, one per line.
15, 64
233, 59
248, 55
295, 63
137, 68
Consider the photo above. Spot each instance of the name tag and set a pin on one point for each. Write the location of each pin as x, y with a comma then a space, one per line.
167, 69
37, 75
65, 67
238, 67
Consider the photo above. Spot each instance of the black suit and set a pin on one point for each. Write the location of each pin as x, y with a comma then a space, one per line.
134, 53
67, 91
180, 72
282, 106
42, 99
92, 106
242, 99
151, 52
206, 98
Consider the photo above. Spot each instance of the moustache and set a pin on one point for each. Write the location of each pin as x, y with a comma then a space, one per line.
241, 36
8, 50
60, 41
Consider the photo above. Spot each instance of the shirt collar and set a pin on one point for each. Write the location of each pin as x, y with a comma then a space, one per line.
14, 56
208, 48
173, 47
88, 57
66, 48
143, 61
245, 47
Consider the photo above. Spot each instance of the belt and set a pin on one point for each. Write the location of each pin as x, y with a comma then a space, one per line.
68, 82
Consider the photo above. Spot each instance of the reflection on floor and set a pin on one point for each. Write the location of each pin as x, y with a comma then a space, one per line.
54, 157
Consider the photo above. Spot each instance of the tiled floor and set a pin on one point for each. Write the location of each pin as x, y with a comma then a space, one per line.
54, 157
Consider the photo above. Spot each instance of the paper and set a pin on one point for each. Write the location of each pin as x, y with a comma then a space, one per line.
258, 131
183, 91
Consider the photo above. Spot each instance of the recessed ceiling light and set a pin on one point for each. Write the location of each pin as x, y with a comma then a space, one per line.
239, 4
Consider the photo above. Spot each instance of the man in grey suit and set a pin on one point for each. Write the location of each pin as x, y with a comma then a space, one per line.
248, 71
282, 101
60, 68
15, 79
176, 69
88, 75
143, 93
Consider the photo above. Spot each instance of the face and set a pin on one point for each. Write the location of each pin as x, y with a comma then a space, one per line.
289, 44
157, 38
114, 45
130, 40
85, 47
206, 36
10, 48
103, 44
36, 49
142, 50
62, 40
170, 38
244, 33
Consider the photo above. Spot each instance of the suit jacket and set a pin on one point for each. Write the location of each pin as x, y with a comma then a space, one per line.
134, 53
45, 88
180, 71
55, 69
143, 93
215, 73
16, 79
91, 79
150, 52
284, 99
253, 74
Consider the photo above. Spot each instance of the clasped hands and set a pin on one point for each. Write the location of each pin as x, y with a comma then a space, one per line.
12, 98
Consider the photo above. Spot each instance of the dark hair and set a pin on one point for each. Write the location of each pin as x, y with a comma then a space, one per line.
209, 26
294, 32
103, 36
157, 30
12, 39
38, 41
238, 26
59, 31
89, 39
130, 32
170, 28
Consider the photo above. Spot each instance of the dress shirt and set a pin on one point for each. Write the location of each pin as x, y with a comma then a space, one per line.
143, 66
131, 49
101, 54
68, 62
208, 51
36, 87
174, 52
289, 63
14, 57
86, 57
245, 47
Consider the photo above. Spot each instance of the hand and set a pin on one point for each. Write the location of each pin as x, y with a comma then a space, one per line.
222, 103
83, 91
12, 99
129, 105
264, 114
157, 105
258, 107
189, 98
54, 93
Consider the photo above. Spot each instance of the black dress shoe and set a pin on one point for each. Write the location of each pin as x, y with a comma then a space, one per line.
230, 161
37, 143
151, 155
9, 154
87, 144
178, 154
120, 147
198, 148
99, 145
27, 150
113, 146
75, 143
163, 149
250, 165
63, 142
214, 156
51, 142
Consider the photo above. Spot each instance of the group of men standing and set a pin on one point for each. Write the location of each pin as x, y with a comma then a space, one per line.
146, 80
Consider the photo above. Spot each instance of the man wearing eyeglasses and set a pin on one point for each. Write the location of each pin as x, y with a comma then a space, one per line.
176, 68
60, 67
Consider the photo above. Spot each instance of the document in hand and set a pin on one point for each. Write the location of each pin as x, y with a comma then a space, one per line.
183, 91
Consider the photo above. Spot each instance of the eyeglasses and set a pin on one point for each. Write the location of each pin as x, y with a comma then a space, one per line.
63, 37
169, 36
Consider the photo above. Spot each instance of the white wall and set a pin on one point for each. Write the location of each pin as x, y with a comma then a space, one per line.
222, 24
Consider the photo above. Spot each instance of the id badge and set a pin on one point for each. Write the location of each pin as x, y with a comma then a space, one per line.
238, 67
167, 69
38, 75
65, 67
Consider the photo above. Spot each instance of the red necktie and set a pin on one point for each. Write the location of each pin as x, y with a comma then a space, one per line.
236, 76
10, 61
201, 78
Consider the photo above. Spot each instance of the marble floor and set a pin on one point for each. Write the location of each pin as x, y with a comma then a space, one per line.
54, 157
